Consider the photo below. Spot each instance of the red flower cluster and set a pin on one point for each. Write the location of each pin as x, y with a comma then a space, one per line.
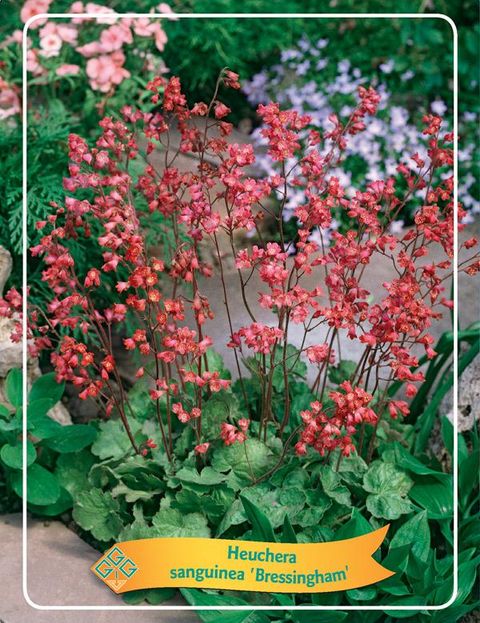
222, 199
325, 433
232, 434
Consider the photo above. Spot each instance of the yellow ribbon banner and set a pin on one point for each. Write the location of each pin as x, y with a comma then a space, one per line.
243, 565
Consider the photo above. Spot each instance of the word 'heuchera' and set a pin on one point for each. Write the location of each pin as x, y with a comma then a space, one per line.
219, 198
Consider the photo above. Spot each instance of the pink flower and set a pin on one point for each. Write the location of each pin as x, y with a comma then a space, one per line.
15, 37
33, 64
67, 70
143, 27
183, 415
319, 353
258, 337
91, 7
170, 299
9, 101
202, 448
66, 32
106, 71
92, 278
91, 49
50, 45
228, 433
115, 37
221, 110
32, 8
164, 8
160, 38
244, 424
77, 7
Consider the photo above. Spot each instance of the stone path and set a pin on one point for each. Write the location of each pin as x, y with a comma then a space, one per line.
58, 574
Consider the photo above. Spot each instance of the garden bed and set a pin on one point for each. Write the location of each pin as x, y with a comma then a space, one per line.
252, 334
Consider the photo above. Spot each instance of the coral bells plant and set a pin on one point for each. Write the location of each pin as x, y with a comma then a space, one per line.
319, 289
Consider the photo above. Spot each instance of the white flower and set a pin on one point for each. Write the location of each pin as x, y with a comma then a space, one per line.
469, 116
302, 68
396, 227
398, 117
288, 55
407, 75
387, 67
321, 64
438, 107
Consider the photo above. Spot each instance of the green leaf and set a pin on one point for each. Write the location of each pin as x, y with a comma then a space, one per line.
319, 617
72, 438
201, 598
140, 402
12, 455
214, 504
217, 409
288, 533
72, 471
5, 412
44, 428
8, 427
387, 487
63, 504
262, 528
46, 386
139, 529
216, 364
357, 525
405, 460
112, 440
331, 483
170, 522
14, 387
434, 496
42, 486
416, 533
312, 515
153, 596
362, 594
208, 476
98, 512
247, 460
342, 372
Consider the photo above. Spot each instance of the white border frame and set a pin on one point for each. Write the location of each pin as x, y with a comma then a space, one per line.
440, 16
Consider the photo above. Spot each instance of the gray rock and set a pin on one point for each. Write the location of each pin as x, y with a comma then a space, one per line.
58, 573
468, 410
5, 267
10, 352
